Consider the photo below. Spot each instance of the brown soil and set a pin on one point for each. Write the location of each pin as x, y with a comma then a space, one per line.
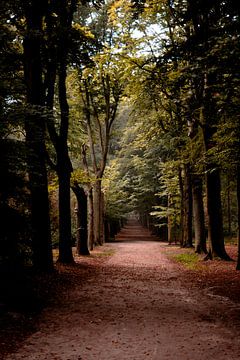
130, 301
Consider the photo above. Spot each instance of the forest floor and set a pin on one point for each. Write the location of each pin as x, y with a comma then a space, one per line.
132, 300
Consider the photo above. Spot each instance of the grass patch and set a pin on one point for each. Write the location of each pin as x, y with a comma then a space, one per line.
190, 260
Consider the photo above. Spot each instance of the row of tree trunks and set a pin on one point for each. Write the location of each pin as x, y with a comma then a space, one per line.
192, 194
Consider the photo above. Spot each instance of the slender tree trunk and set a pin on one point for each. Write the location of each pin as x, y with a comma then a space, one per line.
97, 203
187, 225
102, 218
181, 187
170, 222
198, 211
229, 215
35, 140
238, 204
82, 222
90, 219
107, 230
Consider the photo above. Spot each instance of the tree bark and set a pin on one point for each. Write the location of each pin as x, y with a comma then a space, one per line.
90, 219
97, 204
181, 187
82, 220
64, 168
238, 205
65, 234
171, 229
215, 221
102, 219
187, 224
35, 139
198, 212
229, 212
214, 205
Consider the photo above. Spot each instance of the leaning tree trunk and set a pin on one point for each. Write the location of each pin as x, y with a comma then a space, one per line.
187, 223
198, 212
82, 220
35, 140
238, 204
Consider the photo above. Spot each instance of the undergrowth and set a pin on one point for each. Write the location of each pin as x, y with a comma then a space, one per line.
190, 260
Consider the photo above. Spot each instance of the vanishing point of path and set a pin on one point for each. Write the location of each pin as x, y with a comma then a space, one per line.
133, 306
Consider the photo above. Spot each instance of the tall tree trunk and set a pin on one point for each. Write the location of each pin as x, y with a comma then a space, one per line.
214, 205
198, 212
65, 234
171, 229
102, 218
82, 222
187, 225
64, 169
215, 221
35, 140
90, 219
180, 180
97, 203
229, 215
238, 204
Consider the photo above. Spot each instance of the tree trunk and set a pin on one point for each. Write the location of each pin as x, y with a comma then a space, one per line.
64, 169
215, 221
102, 218
238, 204
65, 234
35, 140
198, 212
180, 180
229, 212
97, 204
171, 233
90, 219
187, 224
82, 222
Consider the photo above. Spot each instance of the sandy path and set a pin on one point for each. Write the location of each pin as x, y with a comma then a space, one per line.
134, 308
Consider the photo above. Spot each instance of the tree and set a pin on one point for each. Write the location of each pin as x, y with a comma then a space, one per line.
35, 135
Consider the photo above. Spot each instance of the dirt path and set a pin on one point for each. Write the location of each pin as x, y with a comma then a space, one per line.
133, 307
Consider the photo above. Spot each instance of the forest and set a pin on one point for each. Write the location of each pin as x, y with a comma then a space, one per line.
117, 110
113, 110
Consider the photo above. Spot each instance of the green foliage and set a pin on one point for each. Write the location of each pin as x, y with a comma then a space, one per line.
189, 260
